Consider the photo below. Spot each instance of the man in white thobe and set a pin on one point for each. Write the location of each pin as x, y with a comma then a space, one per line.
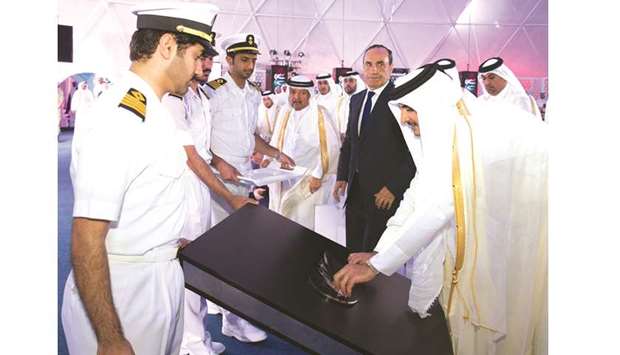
473, 219
101, 85
267, 114
83, 99
352, 83
499, 83
281, 95
305, 133
448, 66
329, 93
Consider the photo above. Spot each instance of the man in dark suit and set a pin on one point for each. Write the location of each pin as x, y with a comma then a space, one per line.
375, 167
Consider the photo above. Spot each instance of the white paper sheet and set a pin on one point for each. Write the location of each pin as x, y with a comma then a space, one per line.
268, 175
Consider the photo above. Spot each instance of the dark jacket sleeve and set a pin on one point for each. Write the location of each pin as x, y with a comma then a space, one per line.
398, 183
345, 150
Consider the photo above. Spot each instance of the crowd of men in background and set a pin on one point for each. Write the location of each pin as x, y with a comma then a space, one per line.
187, 140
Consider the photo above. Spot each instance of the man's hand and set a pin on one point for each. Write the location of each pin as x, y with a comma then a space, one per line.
227, 171
351, 275
339, 189
384, 199
258, 193
257, 157
92, 277
184, 242
265, 163
237, 201
360, 258
315, 184
286, 161
121, 347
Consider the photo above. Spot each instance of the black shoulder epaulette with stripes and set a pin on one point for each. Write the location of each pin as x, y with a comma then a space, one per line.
203, 92
217, 83
135, 102
175, 95
256, 86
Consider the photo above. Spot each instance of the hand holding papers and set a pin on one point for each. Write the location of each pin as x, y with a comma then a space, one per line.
270, 174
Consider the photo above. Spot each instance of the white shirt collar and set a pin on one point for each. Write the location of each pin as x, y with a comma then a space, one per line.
194, 94
234, 85
379, 90
141, 85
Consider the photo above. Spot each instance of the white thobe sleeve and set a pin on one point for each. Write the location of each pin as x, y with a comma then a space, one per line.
317, 172
405, 209
433, 210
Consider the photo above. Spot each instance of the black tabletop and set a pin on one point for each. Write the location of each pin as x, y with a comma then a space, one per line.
270, 257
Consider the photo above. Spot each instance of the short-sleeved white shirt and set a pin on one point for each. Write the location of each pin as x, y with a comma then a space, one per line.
127, 169
234, 113
191, 115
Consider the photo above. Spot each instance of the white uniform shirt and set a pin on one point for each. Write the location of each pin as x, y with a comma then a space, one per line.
234, 113
128, 170
192, 117
199, 118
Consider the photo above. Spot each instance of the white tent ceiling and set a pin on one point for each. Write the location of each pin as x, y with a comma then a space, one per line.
335, 32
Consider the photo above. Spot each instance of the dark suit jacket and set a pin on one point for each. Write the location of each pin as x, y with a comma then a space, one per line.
379, 153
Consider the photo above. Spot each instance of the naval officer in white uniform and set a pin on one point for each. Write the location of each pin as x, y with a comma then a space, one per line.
234, 137
124, 294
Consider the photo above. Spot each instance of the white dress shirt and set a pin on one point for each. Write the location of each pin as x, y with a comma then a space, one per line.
372, 103
128, 170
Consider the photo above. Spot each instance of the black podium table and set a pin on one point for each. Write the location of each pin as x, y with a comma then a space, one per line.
256, 264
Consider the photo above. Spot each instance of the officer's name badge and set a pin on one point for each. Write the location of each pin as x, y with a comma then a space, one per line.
135, 102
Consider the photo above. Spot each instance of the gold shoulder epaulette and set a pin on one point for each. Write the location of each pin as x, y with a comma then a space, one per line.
135, 102
217, 83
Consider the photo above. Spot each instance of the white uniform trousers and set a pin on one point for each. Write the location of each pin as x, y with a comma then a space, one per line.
148, 297
220, 210
196, 339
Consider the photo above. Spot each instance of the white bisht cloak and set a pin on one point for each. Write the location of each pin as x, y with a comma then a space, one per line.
483, 168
